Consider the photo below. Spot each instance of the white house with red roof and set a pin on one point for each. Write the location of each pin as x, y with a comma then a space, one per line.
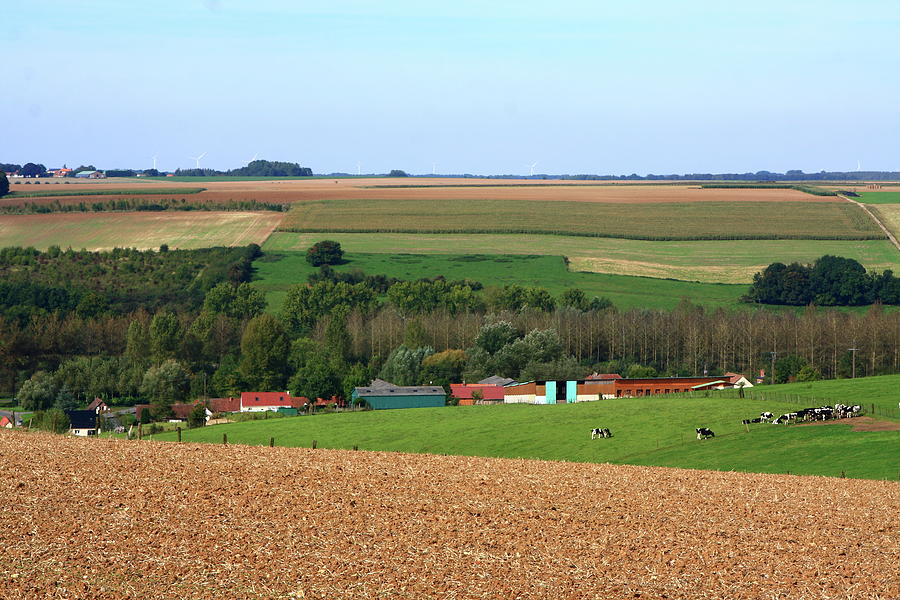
737, 380
262, 401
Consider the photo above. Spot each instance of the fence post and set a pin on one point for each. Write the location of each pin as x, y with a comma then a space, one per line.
314, 444
271, 442
178, 429
140, 431
355, 447
842, 474
225, 438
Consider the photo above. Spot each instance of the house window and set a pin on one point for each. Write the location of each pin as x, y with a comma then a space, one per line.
667, 390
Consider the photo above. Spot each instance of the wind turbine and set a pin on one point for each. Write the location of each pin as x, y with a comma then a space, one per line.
533, 165
197, 158
358, 169
433, 168
154, 162
255, 156
858, 166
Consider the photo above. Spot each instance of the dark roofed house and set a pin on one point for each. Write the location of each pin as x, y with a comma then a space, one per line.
496, 380
383, 395
82, 422
221, 405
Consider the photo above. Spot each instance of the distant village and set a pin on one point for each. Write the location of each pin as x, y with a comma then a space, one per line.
382, 395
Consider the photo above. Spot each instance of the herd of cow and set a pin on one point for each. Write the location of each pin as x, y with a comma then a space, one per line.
819, 413
805, 415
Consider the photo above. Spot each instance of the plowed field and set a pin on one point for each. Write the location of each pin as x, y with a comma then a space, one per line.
113, 519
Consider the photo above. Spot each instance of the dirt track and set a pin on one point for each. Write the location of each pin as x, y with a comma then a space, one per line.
113, 519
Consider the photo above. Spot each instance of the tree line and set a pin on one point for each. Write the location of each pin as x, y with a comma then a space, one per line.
829, 281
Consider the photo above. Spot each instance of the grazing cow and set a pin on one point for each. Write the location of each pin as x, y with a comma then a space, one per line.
703, 433
600, 433
766, 416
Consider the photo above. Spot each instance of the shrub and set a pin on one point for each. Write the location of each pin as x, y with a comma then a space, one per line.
326, 252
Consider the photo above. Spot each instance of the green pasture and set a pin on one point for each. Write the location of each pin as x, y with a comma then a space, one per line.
710, 261
276, 272
882, 391
879, 197
645, 431
651, 221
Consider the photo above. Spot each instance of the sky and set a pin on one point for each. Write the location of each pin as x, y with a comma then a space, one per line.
456, 87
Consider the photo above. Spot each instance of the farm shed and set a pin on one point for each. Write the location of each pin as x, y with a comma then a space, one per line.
383, 395
464, 392
557, 392
82, 422
650, 386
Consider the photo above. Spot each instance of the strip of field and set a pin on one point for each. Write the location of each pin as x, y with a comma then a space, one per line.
103, 231
278, 271
640, 427
879, 197
656, 221
239, 522
65, 191
732, 261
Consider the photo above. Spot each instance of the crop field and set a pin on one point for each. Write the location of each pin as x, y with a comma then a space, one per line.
279, 270
102, 231
241, 522
715, 261
889, 214
649, 221
641, 428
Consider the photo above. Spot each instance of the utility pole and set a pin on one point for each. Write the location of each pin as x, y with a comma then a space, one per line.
772, 374
853, 353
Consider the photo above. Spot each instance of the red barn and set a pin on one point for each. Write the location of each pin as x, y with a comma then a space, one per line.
464, 392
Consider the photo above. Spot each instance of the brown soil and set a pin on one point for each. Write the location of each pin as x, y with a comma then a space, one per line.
861, 424
287, 191
86, 518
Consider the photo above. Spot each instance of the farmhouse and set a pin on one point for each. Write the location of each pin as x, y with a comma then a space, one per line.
98, 406
90, 175
488, 390
223, 405
261, 401
82, 422
383, 395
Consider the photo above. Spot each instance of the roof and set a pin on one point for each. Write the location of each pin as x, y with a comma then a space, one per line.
82, 419
250, 399
4, 420
95, 403
596, 376
399, 390
378, 383
496, 380
464, 391
182, 410
708, 383
225, 404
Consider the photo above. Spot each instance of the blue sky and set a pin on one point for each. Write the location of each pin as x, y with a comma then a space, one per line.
475, 87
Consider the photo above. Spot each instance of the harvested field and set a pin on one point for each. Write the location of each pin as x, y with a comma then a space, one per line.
732, 261
103, 231
649, 221
304, 190
889, 214
87, 518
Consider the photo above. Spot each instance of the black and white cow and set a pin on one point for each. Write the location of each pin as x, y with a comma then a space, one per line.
599, 432
703, 433
766, 416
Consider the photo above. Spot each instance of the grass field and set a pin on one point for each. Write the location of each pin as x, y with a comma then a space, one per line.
280, 270
889, 214
656, 221
882, 391
647, 431
732, 261
879, 197
100, 231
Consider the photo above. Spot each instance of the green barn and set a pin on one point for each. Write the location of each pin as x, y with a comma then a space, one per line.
383, 395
